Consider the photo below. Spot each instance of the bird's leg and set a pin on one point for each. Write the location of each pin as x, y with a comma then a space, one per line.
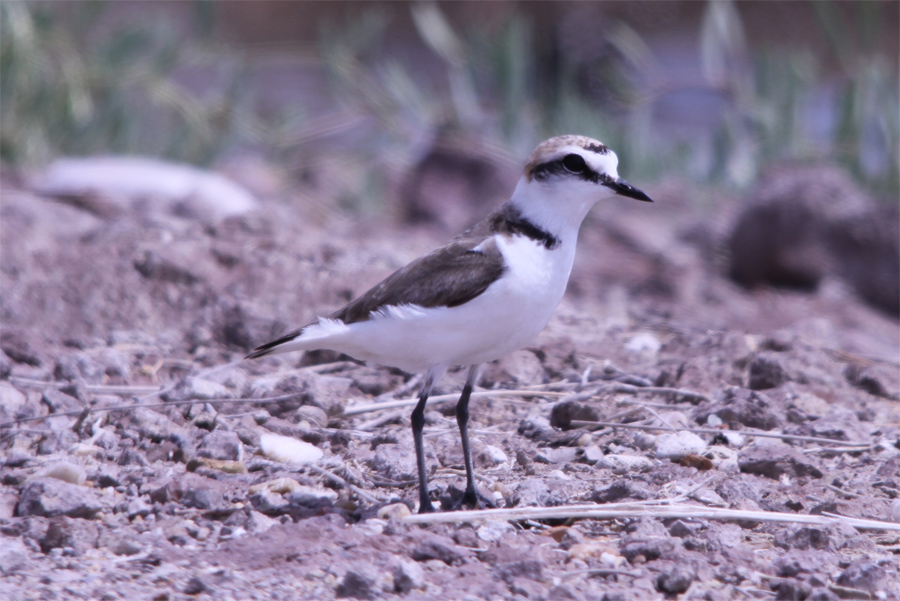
470, 497
418, 424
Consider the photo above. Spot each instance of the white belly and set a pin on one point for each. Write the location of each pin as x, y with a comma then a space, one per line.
506, 317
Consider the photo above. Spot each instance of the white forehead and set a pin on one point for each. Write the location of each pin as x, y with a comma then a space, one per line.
596, 154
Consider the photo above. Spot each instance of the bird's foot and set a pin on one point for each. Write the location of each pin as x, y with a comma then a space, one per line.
456, 500
425, 506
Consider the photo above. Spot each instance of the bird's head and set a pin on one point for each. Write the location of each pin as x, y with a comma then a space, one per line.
566, 175
579, 164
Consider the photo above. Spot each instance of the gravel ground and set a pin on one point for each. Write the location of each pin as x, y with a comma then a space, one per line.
112, 489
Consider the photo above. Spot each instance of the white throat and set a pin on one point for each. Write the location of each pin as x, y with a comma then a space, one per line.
559, 210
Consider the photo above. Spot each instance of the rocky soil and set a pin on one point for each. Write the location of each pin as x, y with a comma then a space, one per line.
142, 459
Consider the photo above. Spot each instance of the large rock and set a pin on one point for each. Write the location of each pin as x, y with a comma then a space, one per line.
775, 461
737, 407
454, 179
801, 226
13, 403
113, 186
13, 554
50, 497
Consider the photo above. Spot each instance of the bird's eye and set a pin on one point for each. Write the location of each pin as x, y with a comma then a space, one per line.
574, 163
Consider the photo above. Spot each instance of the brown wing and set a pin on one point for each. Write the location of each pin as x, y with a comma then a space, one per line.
448, 277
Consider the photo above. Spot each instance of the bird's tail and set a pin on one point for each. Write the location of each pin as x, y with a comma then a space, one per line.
314, 336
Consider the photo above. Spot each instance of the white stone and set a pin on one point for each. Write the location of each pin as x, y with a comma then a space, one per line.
408, 575
494, 455
207, 389
560, 475
724, 459
63, 470
624, 464
278, 485
11, 399
678, 444
734, 439
494, 530
309, 496
134, 183
373, 525
259, 522
288, 450
644, 343
393, 511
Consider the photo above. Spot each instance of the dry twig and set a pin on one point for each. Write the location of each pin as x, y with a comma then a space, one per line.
334, 477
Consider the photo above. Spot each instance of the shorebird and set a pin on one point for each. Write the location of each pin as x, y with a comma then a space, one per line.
486, 293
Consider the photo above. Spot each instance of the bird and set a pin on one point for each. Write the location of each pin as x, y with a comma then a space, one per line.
486, 293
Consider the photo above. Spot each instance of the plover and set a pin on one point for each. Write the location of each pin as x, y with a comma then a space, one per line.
486, 293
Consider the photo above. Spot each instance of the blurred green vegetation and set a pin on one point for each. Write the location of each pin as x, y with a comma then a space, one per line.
67, 88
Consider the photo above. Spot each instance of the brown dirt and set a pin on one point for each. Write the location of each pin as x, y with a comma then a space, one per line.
160, 505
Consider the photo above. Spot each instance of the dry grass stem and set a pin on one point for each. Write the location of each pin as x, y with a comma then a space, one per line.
91, 388
133, 406
633, 510
358, 409
686, 495
543, 391
836, 449
856, 446
679, 392
380, 421
849, 495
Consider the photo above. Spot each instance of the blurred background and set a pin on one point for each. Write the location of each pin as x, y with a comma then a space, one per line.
709, 91
766, 131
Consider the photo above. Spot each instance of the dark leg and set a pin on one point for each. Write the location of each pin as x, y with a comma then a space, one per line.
418, 424
470, 497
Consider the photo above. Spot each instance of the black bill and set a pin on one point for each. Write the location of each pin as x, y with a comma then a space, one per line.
625, 189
